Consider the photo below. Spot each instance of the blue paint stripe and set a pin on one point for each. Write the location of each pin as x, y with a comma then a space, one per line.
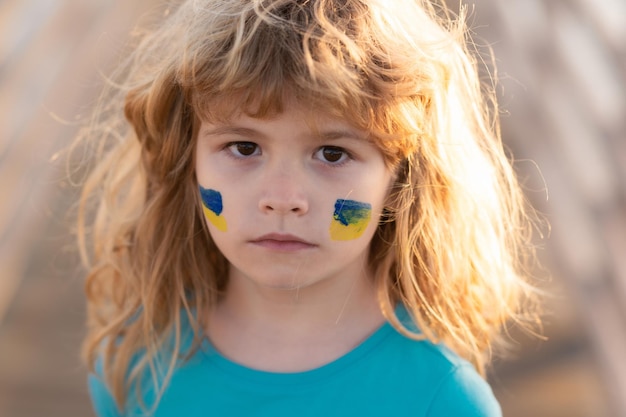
212, 200
351, 211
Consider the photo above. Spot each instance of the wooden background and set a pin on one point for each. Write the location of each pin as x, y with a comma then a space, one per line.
562, 67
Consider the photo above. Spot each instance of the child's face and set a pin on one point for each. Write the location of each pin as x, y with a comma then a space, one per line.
288, 202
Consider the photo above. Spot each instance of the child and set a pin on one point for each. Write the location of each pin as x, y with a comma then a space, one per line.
310, 213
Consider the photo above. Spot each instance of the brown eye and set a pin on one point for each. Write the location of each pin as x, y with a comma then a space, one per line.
243, 149
332, 154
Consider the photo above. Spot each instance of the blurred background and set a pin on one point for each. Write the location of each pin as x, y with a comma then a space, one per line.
562, 71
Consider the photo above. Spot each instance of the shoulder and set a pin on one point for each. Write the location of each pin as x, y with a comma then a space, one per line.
463, 392
101, 398
446, 384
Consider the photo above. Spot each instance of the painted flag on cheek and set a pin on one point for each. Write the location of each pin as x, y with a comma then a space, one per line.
350, 219
212, 207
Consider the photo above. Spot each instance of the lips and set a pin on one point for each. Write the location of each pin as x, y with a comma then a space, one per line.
282, 242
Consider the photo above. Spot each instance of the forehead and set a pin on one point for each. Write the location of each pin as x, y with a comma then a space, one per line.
290, 113
257, 103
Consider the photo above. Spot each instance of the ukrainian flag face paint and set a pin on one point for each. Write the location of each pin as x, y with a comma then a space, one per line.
212, 207
350, 219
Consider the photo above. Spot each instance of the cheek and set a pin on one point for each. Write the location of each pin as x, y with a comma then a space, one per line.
212, 207
350, 219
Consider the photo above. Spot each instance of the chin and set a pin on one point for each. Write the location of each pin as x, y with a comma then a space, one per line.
286, 283
291, 280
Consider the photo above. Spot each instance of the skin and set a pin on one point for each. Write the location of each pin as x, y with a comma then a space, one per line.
296, 298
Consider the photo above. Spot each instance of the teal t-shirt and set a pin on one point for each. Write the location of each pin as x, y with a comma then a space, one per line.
387, 375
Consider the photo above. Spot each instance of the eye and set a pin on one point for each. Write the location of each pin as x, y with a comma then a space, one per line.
332, 154
243, 149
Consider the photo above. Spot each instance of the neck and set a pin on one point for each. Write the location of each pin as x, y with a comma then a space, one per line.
288, 330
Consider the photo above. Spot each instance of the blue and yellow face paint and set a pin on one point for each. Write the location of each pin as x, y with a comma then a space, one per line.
350, 219
212, 207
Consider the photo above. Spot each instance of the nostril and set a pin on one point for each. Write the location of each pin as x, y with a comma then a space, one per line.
283, 208
283, 204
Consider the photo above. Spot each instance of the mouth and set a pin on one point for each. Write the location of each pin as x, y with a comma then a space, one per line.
282, 242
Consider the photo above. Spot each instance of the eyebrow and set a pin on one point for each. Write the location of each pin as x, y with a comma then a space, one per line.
224, 130
339, 134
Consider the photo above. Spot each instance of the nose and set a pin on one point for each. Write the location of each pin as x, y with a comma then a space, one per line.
284, 193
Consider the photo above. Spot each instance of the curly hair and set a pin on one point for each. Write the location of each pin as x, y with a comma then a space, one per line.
454, 244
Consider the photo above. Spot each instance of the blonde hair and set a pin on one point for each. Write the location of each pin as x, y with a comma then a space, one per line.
456, 232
